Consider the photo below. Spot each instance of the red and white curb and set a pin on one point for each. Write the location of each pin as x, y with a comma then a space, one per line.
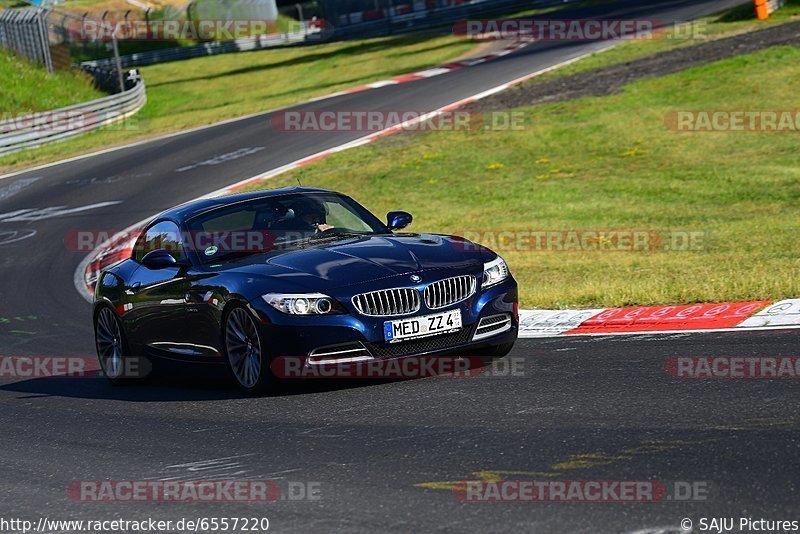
428, 73
726, 316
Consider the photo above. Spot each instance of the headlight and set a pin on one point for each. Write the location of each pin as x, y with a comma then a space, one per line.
494, 272
302, 304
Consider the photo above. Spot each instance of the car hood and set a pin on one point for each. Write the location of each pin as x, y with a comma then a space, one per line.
362, 259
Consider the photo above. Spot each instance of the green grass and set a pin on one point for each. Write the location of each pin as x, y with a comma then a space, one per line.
735, 21
206, 90
611, 163
27, 87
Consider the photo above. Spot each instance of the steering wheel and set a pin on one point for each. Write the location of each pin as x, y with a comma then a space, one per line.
331, 231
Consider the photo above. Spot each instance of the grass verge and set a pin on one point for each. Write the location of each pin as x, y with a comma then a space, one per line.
27, 87
205, 90
611, 163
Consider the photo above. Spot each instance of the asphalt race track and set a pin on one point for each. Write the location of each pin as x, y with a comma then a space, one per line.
587, 408
368, 445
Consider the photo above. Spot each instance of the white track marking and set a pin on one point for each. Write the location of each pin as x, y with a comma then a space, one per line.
549, 323
37, 214
781, 314
384, 83
14, 213
229, 467
12, 189
223, 158
650, 333
432, 72
215, 463
13, 236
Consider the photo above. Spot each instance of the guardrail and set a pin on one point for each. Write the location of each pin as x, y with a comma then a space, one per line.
244, 44
35, 129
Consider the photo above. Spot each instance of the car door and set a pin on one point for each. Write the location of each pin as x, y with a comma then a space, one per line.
156, 297
228, 231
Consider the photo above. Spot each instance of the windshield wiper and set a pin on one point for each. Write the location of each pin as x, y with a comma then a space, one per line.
237, 254
335, 234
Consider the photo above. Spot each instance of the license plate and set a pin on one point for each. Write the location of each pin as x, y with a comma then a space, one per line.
427, 325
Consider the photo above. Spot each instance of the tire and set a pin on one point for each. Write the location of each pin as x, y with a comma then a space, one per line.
247, 361
113, 354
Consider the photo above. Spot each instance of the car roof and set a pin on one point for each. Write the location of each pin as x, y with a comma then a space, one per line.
197, 207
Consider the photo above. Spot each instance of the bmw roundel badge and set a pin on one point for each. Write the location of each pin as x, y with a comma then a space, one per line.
416, 278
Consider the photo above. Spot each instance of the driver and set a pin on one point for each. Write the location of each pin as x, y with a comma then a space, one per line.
312, 215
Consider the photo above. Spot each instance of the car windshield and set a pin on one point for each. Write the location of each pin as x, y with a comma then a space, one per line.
284, 221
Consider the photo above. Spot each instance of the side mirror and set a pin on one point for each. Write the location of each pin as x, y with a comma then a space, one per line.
159, 259
397, 220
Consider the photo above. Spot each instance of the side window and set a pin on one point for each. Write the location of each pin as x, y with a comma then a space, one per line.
164, 235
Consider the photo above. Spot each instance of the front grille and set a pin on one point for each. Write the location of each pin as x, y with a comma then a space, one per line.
347, 352
420, 346
490, 326
449, 291
388, 302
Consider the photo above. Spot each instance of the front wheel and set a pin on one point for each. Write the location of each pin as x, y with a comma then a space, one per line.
244, 350
112, 352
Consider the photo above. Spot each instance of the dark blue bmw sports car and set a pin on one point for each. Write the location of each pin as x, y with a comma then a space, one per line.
299, 272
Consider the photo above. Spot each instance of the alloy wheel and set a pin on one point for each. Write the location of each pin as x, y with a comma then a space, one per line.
243, 346
108, 337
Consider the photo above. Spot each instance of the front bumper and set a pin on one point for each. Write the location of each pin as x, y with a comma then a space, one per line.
335, 338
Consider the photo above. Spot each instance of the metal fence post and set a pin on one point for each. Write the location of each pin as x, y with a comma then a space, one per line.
41, 20
118, 62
